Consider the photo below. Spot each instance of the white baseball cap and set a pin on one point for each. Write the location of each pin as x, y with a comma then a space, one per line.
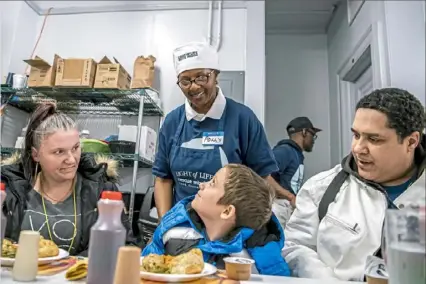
195, 55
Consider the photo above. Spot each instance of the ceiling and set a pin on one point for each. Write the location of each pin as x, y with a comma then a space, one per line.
75, 7
299, 16
282, 16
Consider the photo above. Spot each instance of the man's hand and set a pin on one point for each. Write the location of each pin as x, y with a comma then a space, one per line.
281, 193
287, 195
293, 201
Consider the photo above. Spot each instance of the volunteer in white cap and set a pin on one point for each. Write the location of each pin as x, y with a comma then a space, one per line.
206, 133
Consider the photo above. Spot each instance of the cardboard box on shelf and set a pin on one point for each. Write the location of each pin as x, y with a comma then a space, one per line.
143, 72
42, 74
148, 142
111, 75
149, 145
74, 72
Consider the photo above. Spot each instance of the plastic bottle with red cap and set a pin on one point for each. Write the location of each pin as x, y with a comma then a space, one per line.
3, 218
107, 235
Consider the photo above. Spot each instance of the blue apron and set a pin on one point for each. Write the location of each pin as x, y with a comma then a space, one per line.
190, 166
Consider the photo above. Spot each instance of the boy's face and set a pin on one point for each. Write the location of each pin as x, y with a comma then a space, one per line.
206, 202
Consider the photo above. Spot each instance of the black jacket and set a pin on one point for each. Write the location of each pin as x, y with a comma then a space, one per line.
98, 174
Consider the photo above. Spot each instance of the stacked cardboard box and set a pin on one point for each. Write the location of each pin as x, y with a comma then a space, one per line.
42, 73
111, 75
75, 72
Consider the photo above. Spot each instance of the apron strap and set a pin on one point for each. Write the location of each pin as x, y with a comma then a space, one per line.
179, 129
223, 118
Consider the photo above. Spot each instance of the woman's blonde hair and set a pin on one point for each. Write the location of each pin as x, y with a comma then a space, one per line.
44, 121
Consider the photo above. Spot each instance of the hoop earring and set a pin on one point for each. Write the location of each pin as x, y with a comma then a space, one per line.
36, 171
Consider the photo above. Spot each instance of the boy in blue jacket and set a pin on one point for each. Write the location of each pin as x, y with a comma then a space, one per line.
229, 216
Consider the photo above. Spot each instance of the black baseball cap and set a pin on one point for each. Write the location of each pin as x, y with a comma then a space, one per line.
300, 123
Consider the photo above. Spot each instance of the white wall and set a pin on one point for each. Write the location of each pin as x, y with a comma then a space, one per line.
18, 24
297, 85
406, 45
402, 52
255, 58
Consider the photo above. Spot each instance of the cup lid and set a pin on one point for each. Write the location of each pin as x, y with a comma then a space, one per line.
239, 260
112, 195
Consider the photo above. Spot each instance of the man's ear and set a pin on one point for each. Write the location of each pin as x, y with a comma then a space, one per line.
35, 155
413, 141
228, 213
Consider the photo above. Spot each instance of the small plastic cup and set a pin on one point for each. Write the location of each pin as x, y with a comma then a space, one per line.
238, 268
375, 270
376, 280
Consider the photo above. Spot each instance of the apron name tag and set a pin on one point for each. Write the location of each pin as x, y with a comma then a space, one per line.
213, 138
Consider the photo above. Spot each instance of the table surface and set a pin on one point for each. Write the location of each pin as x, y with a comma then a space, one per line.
6, 278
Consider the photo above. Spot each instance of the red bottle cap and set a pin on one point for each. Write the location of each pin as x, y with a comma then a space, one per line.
112, 195
2, 186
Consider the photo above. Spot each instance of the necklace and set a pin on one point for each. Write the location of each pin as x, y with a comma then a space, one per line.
60, 199
75, 213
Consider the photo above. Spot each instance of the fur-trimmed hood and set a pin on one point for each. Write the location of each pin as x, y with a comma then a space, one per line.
91, 166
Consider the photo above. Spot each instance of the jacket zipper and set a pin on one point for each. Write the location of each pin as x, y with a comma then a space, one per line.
19, 203
342, 225
387, 200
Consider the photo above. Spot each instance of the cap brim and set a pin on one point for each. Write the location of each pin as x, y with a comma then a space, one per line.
316, 130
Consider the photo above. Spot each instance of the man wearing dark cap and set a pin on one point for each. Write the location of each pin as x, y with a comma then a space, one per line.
289, 156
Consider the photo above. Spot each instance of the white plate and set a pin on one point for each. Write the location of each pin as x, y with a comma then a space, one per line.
170, 278
5, 261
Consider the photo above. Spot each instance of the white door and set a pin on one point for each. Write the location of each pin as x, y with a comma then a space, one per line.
360, 88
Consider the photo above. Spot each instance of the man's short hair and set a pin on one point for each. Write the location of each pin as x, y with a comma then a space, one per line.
404, 111
251, 195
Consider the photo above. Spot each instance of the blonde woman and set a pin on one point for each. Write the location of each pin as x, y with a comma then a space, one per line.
52, 187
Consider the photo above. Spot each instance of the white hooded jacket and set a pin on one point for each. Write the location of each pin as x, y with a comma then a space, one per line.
338, 246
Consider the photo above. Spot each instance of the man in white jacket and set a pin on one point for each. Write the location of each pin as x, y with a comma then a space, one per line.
339, 216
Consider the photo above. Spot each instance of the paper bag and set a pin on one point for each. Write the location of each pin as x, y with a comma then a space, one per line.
143, 72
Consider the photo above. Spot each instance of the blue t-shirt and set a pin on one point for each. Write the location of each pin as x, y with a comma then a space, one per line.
289, 157
245, 140
396, 190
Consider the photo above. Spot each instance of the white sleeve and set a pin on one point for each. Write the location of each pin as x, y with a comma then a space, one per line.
300, 249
